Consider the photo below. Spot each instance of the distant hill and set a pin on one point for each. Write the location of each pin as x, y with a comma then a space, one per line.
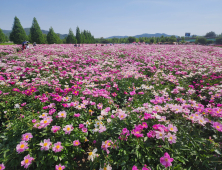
27, 31
144, 35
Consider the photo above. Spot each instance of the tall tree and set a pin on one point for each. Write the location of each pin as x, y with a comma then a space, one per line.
2, 36
78, 35
18, 34
210, 34
71, 38
131, 39
52, 36
36, 33
6, 38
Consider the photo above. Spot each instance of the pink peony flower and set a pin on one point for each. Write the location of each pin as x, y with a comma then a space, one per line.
132, 93
166, 160
2, 166
57, 147
217, 126
34, 120
59, 167
99, 106
81, 126
26, 136
76, 115
62, 114
76, 143
84, 130
55, 128
68, 129
27, 161
172, 128
22, 146
171, 138
134, 167
46, 144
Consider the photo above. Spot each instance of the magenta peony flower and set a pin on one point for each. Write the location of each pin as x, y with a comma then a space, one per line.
166, 160
59, 167
55, 128
2, 166
76, 143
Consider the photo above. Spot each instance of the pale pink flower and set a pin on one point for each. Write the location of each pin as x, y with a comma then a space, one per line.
46, 144
99, 106
57, 147
172, 128
27, 161
44, 115
160, 134
22, 146
62, 114
68, 129
122, 115
26, 136
59, 167
171, 138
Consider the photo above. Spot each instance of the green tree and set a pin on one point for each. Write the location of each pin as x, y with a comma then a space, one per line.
70, 39
172, 39
183, 39
59, 40
219, 40
2, 36
36, 33
210, 34
78, 35
44, 38
131, 39
202, 40
152, 40
52, 36
18, 34
6, 38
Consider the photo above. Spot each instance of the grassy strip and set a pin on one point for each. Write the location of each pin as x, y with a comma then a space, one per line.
6, 43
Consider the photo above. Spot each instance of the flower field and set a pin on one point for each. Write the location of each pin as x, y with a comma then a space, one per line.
118, 107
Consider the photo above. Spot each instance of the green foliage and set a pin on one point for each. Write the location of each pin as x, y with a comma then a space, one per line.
52, 37
18, 34
71, 38
201, 40
36, 33
210, 41
172, 39
78, 35
2, 36
131, 39
219, 40
210, 34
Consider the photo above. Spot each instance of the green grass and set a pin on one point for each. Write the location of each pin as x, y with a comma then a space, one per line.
6, 43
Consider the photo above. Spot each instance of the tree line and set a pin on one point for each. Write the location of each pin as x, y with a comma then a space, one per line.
18, 35
140, 39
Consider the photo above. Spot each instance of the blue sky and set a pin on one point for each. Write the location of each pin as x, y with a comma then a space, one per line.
106, 18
